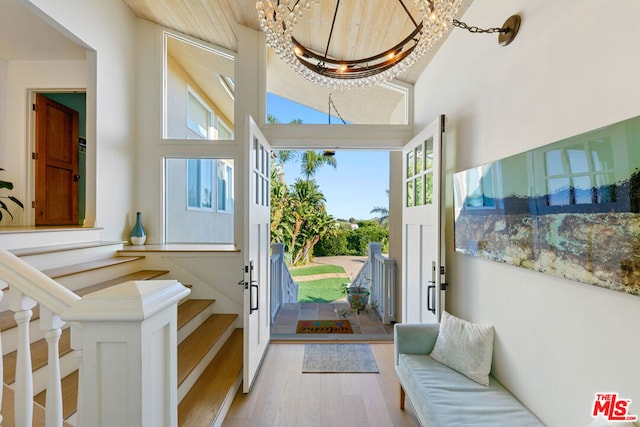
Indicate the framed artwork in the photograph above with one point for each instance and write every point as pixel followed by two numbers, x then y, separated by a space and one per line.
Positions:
pixel 569 209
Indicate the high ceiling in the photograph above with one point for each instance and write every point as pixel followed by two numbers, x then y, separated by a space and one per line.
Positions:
pixel 362 28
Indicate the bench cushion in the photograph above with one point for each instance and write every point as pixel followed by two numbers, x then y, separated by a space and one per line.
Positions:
pixel 444 397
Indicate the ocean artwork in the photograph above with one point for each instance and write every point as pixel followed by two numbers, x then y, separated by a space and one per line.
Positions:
pixel 569 209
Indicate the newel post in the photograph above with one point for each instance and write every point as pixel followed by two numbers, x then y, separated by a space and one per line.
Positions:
pixel 128 340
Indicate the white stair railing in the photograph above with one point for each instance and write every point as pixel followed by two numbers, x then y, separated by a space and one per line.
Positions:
pixel 28 287
pixel 283 288
pixel 128 331
pixel 378 275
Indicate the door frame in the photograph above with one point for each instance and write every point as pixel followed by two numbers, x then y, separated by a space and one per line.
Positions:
pixel 30 169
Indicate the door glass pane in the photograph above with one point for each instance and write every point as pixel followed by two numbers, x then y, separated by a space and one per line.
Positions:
pixel 428 164
pixel 419 191
pixel 428 188
pixel 410 195
pixel 256 150
pixel 409 164
pixel 419 159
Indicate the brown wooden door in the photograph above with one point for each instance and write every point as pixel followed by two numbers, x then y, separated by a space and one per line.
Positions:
pixel 56 163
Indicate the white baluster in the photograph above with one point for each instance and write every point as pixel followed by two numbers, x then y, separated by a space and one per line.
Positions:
pixel 24 376
pixel 51 323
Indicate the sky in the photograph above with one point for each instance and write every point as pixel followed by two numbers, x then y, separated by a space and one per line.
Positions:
pixel 358 183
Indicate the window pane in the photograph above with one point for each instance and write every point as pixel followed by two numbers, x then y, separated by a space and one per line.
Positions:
pixel 190 191
pixel 602 154
pixel 206 183
pixel 577 159
pixel 554 162
pixel 198 117
pixel 193 183
pixel 582 190
pixel 197 76
pixel 558 191
pixel 410 195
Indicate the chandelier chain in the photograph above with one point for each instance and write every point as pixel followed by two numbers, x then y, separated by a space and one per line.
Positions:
pixel 474 29
pixel 331 104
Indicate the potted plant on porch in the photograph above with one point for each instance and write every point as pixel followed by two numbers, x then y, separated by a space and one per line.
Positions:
pixel 3 206
pixel 357 296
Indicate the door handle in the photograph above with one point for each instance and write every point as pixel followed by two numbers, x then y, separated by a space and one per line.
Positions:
pixel 430 289
pixel 252 308
pixel 76 178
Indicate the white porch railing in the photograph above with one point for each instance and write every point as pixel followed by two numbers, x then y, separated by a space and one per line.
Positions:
pixel 378 275
pixel 128 332
pixel 283 288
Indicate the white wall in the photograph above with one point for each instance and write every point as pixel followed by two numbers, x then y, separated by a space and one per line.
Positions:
pixel 23 76
pixel 573 67
pixel 108 30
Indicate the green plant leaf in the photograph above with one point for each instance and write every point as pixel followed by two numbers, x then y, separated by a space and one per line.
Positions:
pixel 6 184
pixel 16 201
pixel 3 205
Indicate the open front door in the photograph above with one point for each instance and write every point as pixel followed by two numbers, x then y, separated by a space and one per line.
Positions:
pixel 257 322
pixel 422 226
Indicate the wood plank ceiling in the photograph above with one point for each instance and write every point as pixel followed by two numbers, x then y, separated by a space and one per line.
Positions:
pixel 363 27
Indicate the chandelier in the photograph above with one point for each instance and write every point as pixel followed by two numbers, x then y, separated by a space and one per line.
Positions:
pixel 278 19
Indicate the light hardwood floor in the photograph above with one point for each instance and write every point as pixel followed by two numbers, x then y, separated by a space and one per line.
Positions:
pixel 283 396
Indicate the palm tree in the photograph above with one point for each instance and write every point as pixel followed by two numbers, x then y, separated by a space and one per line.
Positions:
pixel 383 212
pixel 312 160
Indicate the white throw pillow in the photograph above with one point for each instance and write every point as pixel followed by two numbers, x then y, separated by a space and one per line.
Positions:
pixel 465 347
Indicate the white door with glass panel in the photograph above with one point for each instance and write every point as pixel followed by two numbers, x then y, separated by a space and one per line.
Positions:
pixel 422 227
pixel 257 323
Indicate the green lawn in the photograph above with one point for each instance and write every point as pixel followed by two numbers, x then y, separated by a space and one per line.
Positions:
pixel 316 269
pixel 321 291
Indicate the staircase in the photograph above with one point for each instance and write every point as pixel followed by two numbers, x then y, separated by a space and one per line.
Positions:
pixel 209 344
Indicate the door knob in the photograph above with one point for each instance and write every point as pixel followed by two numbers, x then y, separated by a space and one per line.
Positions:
pixel 76 178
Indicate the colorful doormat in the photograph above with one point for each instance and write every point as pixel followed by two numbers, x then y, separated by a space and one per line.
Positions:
pixel 323 327
pixel 338 358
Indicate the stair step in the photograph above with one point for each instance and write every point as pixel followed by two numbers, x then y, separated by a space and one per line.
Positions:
pixel 202 405
pixel 65 247
pixel 138 275
pixel 39 355
pixel 8 416
pixel 69 395
pixel 190 309
pixel 56 273
pixel 197 345
pixel 8 322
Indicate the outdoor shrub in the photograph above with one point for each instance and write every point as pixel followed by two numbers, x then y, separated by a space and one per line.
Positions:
pixel 367 232
pixel 332 245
